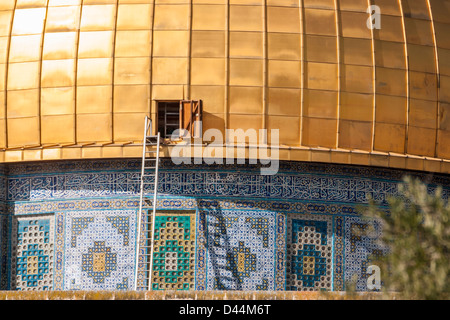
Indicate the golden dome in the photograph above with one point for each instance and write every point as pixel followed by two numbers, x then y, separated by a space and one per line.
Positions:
pixel 77 77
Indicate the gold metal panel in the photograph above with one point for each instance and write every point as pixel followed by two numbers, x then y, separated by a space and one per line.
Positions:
pixel 57 101
pixel 246 100
pixel 5 23
pixel 58 129
pixel 62 19
pixel 246 18
pixel 246 72
pixel 319 132
pixel 96 71
pixel 23 132
pixel 23 103
pixel 444 89
pixel 416 9
pixel 134 16
pixel 444 61
pixel 392 29
pixel 214 121
pixel 90 152
pixel 327 4
pixel 94 99
pixel 354 25
pixel 320 104
pixel 112 152
pixel 246 44
pixel 284 101
pixel 25 48
pixel 3 67
pixel 357 79
pixel 421 141
pixel 288 127
pixel 57 3
pixel 419 31
pixel 208 71
pixel 388 7
pixel 4 47
pixel 28 21
pixel 423 86
pixel 58 73
pixel 442 31
pixel 167 92
pixel 208 44
pixel 31 3
pixel 391 109
pixel 356 51
pixel 322 76
pixel 169 71
pixel 171 17
pixel 132 43
pixel 423 113
pixel 356 106
pixel 444 116
pixel 128 126
pixel 2 105
pixel 132 70
pixel 319 21
pixel 283 46
pixel 391 81
pixel 208 17
pixel 352 5
pixel 355 135
pixel 443 144
pixel 321 48
pixel 245 122
pixel 390 54
pixel 169 43
pixel 422 58
pixel 95 44
pixel 389 137
pixel 60 45
pixel 98 17
pixel 284 73
pixel 94 127
pixel 2 134
pixel 440 10
pixel 135 98
pixel 33 154
pixel 282 19
pixel 7 4
pixel 23 75
pixel 213 98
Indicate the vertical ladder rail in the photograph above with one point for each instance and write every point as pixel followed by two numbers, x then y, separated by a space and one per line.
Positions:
pixel 144 236
pixel 155 192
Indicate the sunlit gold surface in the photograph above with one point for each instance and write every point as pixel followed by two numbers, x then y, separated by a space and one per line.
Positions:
pixel 77 77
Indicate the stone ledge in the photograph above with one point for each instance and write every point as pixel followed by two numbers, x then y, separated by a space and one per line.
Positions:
pixel 190 295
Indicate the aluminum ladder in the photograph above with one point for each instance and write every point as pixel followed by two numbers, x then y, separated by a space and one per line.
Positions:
pixel 146 221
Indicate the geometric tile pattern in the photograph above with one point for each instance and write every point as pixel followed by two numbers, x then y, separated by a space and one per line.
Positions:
pixel 246 231
pixel 309 253
pixel 100 254
pixel 360 245
pixel 32 266
pixel 240 250
pixel 174 252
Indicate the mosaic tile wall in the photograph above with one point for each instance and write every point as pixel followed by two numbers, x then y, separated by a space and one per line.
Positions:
pixel 234 229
